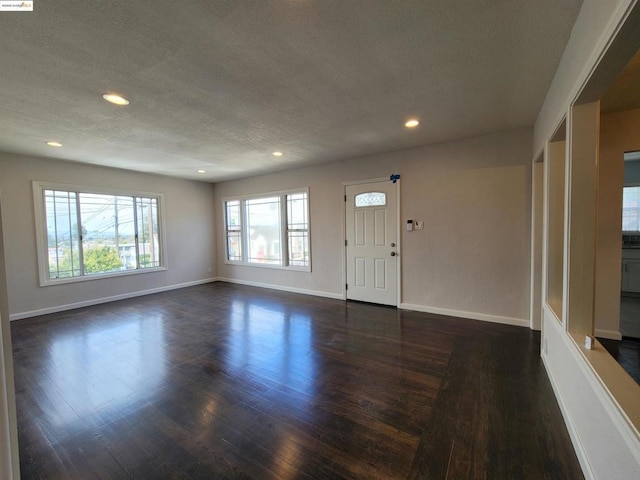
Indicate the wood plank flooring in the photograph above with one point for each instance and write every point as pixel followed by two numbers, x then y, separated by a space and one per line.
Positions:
pixel 226 381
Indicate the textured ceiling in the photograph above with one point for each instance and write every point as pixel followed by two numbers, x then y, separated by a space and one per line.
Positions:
pixel 219 85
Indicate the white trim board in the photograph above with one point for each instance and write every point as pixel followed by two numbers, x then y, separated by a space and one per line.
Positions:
pixel 518 322
pixel 9 464
pixel 336 296
pixel 315 293
pixel 586 403
pixel 98 301
pixel 610 334
pixel 621 421
pixel 583 458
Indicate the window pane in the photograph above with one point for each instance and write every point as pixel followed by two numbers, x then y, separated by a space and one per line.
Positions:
pixel 297 211
pixel 298 249
pixel 263 230
pixel 297 230
pixel 148 242
pixel 631 209
pixel 63 241
pixel 371 199
pixel 108 232
pixel 233 221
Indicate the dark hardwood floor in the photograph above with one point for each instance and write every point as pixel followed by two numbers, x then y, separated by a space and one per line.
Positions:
pixel 226 381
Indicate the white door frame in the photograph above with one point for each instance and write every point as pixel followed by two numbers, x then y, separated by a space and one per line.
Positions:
pixel 398 231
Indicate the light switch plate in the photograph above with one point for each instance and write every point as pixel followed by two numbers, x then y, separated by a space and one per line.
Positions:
pixel 588 342
pixel 419 225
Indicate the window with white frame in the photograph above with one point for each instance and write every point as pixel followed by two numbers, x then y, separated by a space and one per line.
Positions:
pixel 84 233
pixel 269 230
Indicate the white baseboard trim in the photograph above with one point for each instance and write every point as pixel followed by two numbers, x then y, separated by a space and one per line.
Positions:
pixel 583 459
pixel 316 293
pixel 518 322
pixel 610 334
pixel 98 301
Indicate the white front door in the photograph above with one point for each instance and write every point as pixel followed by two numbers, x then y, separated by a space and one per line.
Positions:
pixel 372 243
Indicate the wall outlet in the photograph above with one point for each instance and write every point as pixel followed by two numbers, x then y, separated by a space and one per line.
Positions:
pixel 209 269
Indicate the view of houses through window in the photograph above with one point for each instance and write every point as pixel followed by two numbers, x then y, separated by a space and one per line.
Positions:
pixel 269 230
pixel 263 231
pixel 94 233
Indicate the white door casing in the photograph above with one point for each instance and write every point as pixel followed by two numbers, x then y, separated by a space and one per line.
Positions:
pixel 372 243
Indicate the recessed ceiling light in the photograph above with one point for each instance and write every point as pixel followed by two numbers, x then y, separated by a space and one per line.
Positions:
pixel 412 123
pixel 54 144
pixel 115 99
pixel 277 154
pixel 202 171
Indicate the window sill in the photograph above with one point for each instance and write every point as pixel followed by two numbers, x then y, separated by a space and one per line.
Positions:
pixel 273 267
pixel 86 278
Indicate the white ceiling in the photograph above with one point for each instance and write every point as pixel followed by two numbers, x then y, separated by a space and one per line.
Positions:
pixel 219 85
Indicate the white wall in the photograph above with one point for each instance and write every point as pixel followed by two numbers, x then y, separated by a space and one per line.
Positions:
pixel 9 464
pixel 190 220
pixel 607 446
pixel 473 195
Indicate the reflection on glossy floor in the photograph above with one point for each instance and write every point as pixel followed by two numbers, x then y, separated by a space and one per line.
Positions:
pixel 224 381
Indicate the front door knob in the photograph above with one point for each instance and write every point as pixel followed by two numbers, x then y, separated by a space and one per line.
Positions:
pixel 393 254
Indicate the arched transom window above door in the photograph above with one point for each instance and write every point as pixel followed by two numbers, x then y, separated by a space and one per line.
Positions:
pixel 371 199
